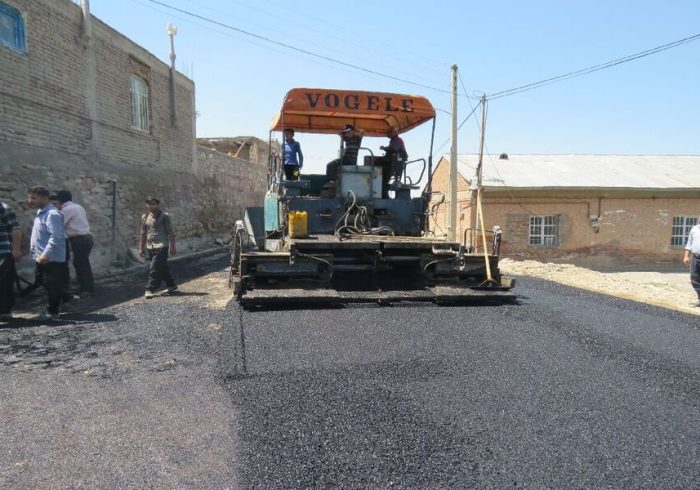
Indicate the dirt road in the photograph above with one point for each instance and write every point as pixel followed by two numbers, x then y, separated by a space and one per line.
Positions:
pixel 665 285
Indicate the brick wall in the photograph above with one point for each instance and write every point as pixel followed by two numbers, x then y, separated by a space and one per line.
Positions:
pixel 47 136
pixel 633 225
pixel 441 175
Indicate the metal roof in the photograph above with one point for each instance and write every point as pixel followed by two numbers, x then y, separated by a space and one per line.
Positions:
pixel 584 171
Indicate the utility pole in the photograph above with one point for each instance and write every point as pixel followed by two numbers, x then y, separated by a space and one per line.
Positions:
pixel 479 168
pixel 452 189
pixel 475 187
pixel 90 81
pixel 172 30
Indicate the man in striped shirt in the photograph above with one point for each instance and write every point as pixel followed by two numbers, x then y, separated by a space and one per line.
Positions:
pixel 10 237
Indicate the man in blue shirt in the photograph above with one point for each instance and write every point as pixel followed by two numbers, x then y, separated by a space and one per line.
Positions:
pixel 48 248
pixel 293 158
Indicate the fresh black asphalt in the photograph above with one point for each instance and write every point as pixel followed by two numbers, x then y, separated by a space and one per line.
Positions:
pixel 565 389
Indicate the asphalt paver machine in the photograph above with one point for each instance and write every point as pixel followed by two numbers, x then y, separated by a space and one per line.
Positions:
pixel 355 234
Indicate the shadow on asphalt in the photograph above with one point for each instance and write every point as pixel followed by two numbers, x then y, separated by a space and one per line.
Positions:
pixel 63 320
pixel 188 293
pixel 122 287
pixel 405 304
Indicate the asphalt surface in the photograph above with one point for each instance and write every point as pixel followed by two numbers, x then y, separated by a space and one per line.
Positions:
pixel 566 389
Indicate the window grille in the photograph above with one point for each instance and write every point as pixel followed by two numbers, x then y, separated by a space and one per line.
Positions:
pixel 544 230
pixel 139 104
pixel 681 229
pixel 12 28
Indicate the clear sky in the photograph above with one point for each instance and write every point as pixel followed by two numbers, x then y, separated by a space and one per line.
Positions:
pixel 648 106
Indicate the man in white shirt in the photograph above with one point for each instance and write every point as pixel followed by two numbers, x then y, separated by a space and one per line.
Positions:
pixel 692 257
pixel 78 234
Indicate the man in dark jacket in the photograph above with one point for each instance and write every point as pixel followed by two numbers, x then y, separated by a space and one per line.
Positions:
pixel 394 160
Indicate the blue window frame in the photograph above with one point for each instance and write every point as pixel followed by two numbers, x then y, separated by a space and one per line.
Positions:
pixel 12 28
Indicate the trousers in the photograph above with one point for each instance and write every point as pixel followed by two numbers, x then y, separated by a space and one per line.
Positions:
pixel 81 246
pixel 291 172
pixel 7 284
pixel 158 270
pixel 53 277
pixel 695 273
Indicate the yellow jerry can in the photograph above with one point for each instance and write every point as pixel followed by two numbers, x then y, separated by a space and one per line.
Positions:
pixel 298 224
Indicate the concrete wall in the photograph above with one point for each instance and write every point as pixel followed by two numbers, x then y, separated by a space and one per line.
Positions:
pixel 65 122
pixel 633 225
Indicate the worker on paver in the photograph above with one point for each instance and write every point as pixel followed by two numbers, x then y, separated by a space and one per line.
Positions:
pixel 293 157
pixel 692 258
pixel 394 160
pixel 156 243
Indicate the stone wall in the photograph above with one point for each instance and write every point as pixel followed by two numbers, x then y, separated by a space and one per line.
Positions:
pixel 203 206
pixel 65 122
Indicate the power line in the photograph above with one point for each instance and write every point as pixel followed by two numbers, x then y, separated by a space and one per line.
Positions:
pixel 298 41
pixel 478 126
pixel 460 125
pixel 301 50
pixel 382 41
pixel 594 68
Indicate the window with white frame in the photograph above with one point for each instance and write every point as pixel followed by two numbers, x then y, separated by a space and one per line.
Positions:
pixel 12 28
pixel 681 229
pixel 139 103
pixel 544 230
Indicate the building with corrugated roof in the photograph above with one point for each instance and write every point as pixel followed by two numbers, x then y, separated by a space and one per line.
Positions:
pixel 636 207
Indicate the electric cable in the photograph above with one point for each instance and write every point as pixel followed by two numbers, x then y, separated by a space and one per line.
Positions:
pixel 306 29
pixel 300 50
pixel 593 68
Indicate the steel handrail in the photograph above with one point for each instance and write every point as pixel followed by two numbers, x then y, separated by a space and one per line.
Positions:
pixel 409 180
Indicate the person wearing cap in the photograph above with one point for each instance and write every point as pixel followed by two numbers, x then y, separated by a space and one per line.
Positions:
pixel 351 142
pixel 293 157
pixel 156 242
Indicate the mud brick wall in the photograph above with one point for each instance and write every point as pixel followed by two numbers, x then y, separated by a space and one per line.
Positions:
pixel 48 136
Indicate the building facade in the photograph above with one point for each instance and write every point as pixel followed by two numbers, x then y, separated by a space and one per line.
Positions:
pixel 86 109
pixel 549 206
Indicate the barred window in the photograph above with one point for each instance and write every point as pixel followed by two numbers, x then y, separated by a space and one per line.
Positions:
pixel 139 104
pixel 544 230
pixel 12 28
pixel 681 229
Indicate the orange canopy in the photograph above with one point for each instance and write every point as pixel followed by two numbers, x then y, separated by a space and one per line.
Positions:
pixel 312 110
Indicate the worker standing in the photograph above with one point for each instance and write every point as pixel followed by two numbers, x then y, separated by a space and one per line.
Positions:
pixel 48 249
pixel 81 242
pixel 156 243
pixel 293 157
pixel 10 237
pixel 692 258
pixel 394 160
